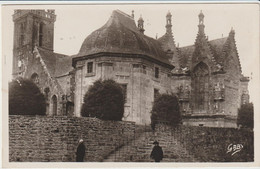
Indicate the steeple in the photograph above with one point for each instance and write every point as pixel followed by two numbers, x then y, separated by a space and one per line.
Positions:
pixel 201 23
pixel 202 50
pixel 168 23
pixel 168 43
pixel 141 24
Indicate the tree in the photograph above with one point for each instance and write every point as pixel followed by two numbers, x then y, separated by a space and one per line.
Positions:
pixel 246 115
pixel 166 109
pixel 25 98
pixel 104 100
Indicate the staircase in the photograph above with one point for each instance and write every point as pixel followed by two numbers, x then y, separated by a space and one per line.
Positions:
pixel 140 148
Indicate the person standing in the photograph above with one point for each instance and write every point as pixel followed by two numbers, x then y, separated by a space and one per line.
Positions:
pixel 80 154
pixel 157 152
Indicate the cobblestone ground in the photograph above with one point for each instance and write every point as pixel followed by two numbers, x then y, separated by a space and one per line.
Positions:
pixel 139 150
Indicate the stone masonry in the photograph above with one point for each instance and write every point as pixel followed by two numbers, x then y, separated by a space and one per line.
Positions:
pixel 55 139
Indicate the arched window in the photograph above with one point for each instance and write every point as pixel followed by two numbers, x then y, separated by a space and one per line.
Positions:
pixel 41 34
pixel 22 31
pixel 200 84
pixel 54 105
pixel 35 78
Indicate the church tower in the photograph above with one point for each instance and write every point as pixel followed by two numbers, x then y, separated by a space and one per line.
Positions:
pixel 31 28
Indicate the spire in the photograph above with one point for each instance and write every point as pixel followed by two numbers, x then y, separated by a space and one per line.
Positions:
pixel 169 23
pixel 133 14
pixel 201 23
pixel 141 24
pixel 202 49
pixel 232 31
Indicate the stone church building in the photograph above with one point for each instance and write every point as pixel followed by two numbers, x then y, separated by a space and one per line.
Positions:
pixel 205 76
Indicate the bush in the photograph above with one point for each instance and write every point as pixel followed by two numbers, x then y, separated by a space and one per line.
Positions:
pixel 25 98
pixel 246 116
pixel 166 109
pixel 104 100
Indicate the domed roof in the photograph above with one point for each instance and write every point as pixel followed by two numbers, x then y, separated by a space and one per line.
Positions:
pixel 120 35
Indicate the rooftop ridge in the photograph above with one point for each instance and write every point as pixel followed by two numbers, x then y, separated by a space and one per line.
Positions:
pixel 208 41
pixel 121 12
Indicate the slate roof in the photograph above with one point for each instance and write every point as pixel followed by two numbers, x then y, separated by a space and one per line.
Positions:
pixel 57 64
pixel 121 35
pixel 165 38
pixel 216 47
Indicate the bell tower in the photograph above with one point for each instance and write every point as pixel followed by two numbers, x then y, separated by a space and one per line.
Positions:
pixel 31 28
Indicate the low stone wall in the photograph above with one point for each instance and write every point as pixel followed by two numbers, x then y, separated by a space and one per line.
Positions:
pixel 55 139
pixel 209 144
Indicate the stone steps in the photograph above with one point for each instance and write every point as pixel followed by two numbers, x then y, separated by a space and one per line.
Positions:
pixel 139 150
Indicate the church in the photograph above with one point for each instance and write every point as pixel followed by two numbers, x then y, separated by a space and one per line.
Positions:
pixel 205 76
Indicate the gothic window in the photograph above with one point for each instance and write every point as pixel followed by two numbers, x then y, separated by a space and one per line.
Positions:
pixel 41 34
pixel 156 72
pixel 200 85
pixel 54 105
pixel 90 67
pixel 35 78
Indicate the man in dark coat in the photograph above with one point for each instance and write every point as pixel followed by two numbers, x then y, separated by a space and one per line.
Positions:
pixel 80 154
pixel 157 153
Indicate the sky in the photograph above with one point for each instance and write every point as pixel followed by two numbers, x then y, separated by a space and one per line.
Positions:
pixel 75 22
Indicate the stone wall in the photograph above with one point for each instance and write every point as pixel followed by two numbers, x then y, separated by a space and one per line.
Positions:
pixel 135 73
pixel 209 144
pixel 55 139
pixel 210 122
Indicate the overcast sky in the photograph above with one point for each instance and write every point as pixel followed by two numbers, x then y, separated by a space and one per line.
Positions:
pixel 75 22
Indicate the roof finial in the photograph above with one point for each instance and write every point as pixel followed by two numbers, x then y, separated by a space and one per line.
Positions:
pixel 232 31
pixel 201 18
pixel 133 15
pixel 169 23
pixel 141 24
pixel 201 23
